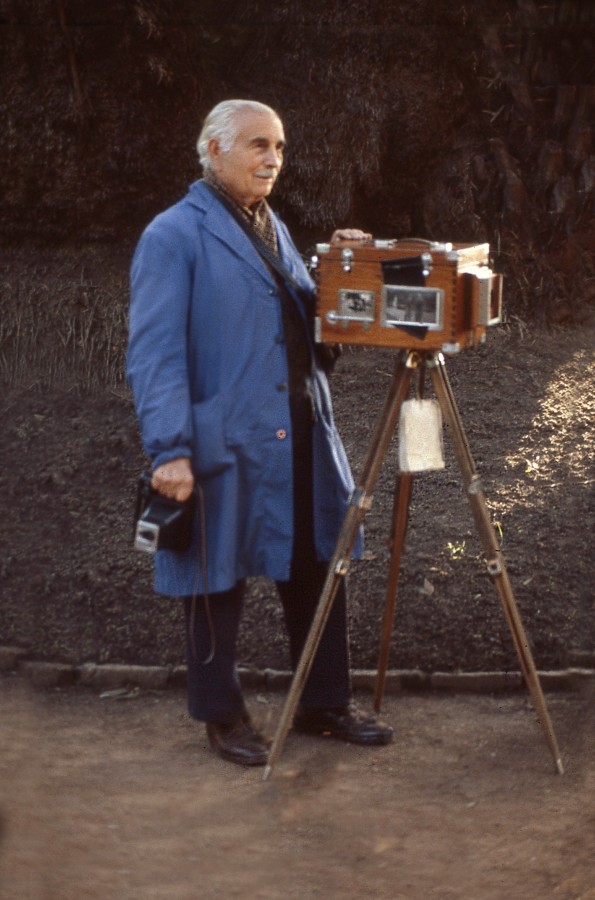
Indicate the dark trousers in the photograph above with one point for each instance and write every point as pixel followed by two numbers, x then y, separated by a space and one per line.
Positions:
pixel 214 692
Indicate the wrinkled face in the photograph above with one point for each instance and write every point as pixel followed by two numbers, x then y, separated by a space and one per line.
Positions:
pixel 249 170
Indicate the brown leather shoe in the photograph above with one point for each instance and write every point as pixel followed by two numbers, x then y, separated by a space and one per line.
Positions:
pixel 238 742
pixel 344 724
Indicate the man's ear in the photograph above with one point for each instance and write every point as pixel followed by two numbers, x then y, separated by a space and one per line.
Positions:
pixel 214 149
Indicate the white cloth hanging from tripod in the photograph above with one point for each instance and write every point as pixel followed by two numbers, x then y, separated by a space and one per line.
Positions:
pixel 421 446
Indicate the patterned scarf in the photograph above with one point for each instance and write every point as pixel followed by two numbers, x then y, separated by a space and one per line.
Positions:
pixel 259 216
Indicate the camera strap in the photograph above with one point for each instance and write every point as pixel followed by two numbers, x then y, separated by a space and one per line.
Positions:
pixel 202 566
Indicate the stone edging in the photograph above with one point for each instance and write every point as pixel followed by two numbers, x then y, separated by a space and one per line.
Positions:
pixel 112 676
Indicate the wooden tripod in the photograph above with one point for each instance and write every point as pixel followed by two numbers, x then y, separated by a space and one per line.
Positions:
pixel 361 501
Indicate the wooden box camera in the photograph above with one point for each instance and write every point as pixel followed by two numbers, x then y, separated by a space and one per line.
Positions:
pixel 412 294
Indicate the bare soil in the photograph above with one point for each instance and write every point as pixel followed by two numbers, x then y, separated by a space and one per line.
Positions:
pixel 118 796
pixel 73 589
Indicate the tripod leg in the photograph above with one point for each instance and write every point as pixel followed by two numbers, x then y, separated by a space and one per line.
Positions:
pixel 400 519
pixel 493 554
pixel 339 564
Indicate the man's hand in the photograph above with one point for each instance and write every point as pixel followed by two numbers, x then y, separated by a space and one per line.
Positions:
pixel 349 234
pixel 174 479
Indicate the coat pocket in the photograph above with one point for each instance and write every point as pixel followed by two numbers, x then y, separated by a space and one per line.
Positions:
pixel 211 453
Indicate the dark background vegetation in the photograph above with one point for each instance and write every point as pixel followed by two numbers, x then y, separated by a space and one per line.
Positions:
pixel 470 121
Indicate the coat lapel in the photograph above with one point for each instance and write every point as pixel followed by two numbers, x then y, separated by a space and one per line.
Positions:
pixel 223 226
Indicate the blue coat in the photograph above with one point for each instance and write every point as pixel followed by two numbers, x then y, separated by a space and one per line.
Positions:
pixel 208 368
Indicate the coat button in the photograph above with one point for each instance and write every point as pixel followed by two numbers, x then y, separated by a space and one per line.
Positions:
pixel 282 386
pixel 281 434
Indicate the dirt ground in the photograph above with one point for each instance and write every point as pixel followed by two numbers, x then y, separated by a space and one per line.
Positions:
pixel 117 796
pixel 74 590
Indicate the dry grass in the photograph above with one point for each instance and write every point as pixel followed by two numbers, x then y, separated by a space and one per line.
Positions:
pixel 63 331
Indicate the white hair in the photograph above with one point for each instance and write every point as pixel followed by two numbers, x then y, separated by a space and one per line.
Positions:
pixel 221 124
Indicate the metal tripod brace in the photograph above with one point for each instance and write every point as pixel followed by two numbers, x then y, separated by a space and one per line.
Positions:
pixel 361 501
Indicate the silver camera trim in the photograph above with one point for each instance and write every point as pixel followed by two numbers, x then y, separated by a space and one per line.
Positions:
pixel 146 536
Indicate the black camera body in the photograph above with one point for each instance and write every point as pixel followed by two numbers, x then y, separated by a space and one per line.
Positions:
pixel 161 523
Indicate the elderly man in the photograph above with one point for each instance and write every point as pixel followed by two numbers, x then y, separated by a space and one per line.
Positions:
pixel 231 397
